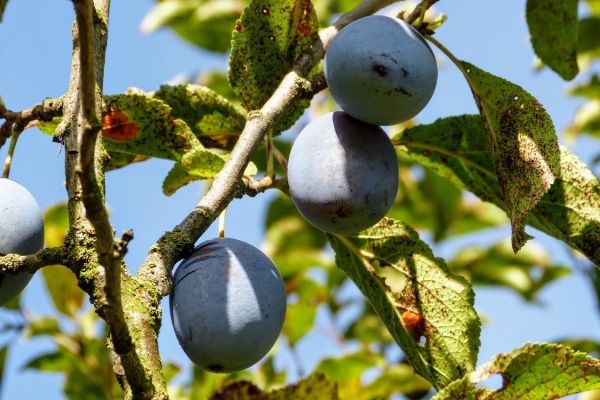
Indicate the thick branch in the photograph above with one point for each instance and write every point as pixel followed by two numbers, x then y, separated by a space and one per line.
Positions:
pixel 157 268
pixel 109 256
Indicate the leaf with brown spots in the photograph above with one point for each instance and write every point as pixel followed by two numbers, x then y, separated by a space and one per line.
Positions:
pixel 534 371
pixel 212 118
pixel 457 149
pixel 553 29
pixel 398 273
pixel 523 144
pixel 140 125
pixel 316 387
pixel 270 36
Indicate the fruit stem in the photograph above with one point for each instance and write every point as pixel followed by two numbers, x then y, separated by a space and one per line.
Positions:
pixel 11 151
pixel 280 157
pixel 451 56
pixel 424 8
pixel 222 223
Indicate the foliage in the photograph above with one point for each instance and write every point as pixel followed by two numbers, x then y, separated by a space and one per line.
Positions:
pixel 508 157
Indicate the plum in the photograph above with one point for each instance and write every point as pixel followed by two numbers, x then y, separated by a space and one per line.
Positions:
pixel 21 232
pixel 380 70
pixel 227 305
pixel 342 173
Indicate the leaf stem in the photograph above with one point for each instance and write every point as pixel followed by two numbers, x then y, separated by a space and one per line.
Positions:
pixel 222 223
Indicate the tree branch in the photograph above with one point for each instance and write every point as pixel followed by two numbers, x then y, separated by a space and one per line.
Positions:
pixel 17 121
pixel 110 254
pixel 14 263
pixel 157 268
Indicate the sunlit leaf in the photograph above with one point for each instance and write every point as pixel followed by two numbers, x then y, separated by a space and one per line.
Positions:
pixel 267 40
pixel 535 371
pixel 434 305
pixel 170 371
pixel 42 326
pixel 119 160
pixel 49 127
pixel 368 328
pixel 522 141
pixel 586 120
pixel 205 23
pixel 56 361
pixel 196 165
pixel 588 346
pixel 212 118
pixel 137 124
pixel 557 47
pixel 456 148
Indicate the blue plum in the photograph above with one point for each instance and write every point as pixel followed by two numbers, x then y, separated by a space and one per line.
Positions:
pixel 227 305
pixel 342 173
pixel 21 232
pixel 380 70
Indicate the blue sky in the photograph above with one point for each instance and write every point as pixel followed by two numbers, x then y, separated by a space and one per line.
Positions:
pixel 35 49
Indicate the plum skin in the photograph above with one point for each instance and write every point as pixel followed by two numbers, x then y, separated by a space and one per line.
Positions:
pixel 380 70
pixel 227 304
pixel 21 232
pixel 342 173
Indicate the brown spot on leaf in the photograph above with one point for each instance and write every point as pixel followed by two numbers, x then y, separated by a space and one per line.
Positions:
pixel 117 126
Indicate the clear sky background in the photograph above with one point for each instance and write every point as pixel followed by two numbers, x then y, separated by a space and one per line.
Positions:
pixel 35 56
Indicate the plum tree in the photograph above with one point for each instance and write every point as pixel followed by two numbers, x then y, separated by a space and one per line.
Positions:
pixel 342 173
pixel 227 305
pixel 380 70
pixel 21 232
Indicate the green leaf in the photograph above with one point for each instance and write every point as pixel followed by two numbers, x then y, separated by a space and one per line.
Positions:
pixel 42 326
pixel 3 4
pixel 523 144
pixel 170 371
pixel 205 23
pixel 526 273
pixel 535 371
pixel 433 305
pixel 589 40
pixel 456 148
pixel 399 378
pixel 350 367
pixel 586 120
pixel 56 361
pixel 119 159
pixel 49 127
pixel 300 315
pixel 368 328
pixel 553 29
pixel 212 118
pixel 60 281
pixel 588 346
pixel 590 89
pixel 196 165
pixel 267 40
pixel 137 124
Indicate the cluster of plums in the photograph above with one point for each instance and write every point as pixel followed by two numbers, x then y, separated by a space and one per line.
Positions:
pixel 343 169
pixel 343 178
pixel 21 232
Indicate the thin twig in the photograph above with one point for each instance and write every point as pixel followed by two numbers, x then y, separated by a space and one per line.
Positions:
pixel 416 13
pixel 9 156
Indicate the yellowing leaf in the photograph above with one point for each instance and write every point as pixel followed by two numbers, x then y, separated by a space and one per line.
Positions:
pixel 553 29
pixel 522 141
pixel 60 281
pixel 431 316
pixel 535 371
